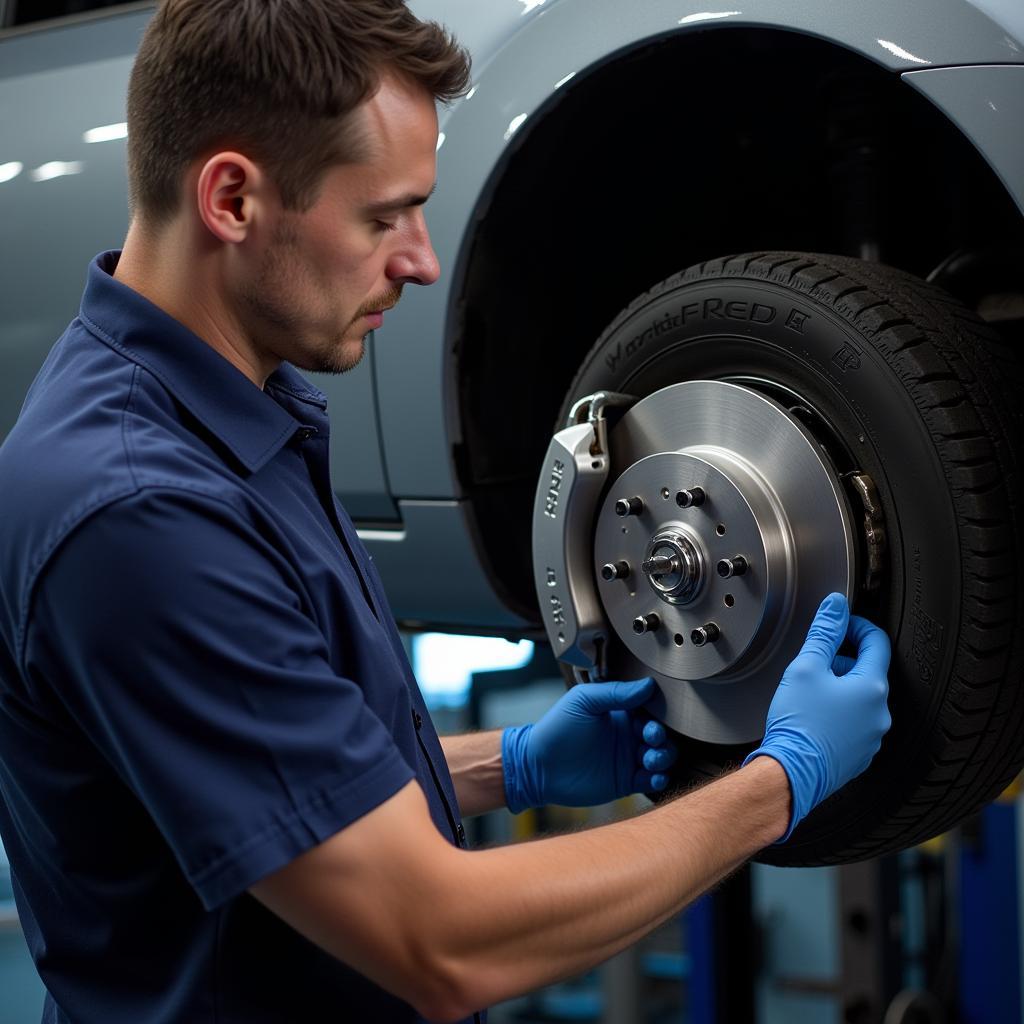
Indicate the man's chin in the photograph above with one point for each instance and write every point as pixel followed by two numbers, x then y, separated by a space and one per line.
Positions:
pixel 344 356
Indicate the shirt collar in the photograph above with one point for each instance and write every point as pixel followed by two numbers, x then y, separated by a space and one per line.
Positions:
pixel 252 425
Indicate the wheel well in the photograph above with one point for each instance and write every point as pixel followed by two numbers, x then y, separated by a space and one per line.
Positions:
pixel 697 146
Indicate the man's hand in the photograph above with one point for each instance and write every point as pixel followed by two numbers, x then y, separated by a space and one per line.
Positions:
pixel 828 716
pixel 588 749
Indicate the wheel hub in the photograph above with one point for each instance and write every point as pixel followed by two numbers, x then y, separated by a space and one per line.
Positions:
pixel 674 566
pixel 672 548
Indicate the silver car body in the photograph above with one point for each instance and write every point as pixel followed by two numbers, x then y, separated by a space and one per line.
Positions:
pixel 397 423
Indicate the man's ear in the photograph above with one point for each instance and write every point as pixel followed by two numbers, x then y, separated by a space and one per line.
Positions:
pixel 229 191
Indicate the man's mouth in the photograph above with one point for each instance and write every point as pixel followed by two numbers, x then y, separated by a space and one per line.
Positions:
pixel 376 317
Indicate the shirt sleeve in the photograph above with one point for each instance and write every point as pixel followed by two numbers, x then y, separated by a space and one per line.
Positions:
pixel 182 641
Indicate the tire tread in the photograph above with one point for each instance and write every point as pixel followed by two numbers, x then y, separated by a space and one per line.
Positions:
pixel 963 380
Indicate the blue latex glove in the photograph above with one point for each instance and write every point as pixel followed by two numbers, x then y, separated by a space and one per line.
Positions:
pixel 587 749
pixel 828 716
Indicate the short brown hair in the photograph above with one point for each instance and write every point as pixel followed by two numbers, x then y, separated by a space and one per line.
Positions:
pixel 276 79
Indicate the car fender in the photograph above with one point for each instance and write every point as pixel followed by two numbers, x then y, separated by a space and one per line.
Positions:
pixel 986 103
pixel 527 51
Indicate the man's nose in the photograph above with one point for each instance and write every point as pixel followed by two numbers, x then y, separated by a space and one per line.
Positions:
pixel 415 262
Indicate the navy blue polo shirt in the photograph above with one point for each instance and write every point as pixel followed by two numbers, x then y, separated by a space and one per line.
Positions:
pixel 199 678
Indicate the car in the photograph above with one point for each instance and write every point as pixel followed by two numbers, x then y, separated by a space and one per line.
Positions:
pixel 730 318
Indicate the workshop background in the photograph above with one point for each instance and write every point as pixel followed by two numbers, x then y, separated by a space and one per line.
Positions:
pixel 929 936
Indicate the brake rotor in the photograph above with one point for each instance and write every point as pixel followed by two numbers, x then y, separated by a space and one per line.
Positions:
pixel 722 528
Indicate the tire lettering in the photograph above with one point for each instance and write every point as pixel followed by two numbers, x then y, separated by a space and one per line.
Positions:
pixel 847 358
pixel 708 309
pixel 796 320
pixel 714 308
pixel 691 309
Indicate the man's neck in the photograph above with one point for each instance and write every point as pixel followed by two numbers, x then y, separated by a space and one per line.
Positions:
pixel 170 273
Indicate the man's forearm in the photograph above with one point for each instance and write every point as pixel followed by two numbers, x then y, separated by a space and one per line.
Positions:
pixel 645 869
pixel 474 761
pixel 451 930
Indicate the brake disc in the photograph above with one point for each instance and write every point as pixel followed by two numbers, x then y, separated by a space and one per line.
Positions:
pixel 692 543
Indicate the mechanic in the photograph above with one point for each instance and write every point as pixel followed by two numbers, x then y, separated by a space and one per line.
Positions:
pixel 220 790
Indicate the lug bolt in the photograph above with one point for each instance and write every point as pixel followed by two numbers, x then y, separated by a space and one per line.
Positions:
pixel 614 571
pixel 692 498
pixel 646 623
pixel 706 634
pixel 629 506
pixel 660 565
pixel 736 566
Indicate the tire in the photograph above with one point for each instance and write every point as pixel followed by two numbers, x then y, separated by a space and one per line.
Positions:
pixel 899 380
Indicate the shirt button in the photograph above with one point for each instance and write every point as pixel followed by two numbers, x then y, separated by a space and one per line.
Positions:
pixel 417 720
pixel 461 832
pixel 305 433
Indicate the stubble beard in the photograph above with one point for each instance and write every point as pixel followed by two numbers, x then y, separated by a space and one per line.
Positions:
pixel 267 303
pixel 339 357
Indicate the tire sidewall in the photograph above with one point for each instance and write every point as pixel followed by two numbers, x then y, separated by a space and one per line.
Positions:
pixel 733 326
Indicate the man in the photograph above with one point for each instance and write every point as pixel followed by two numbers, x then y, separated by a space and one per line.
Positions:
pixel 220 791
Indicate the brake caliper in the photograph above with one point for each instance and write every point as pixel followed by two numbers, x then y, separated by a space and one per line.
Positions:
pixel 576 469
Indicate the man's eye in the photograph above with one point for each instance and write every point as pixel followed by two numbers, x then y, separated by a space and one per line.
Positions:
pixel 384 225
